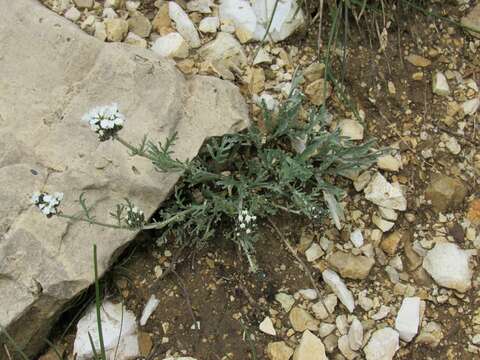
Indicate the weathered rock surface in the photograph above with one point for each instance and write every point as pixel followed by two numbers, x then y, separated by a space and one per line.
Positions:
pixel 310 348
pixel 351 266
pixel 408 318
pixel 48 82
pixel 449 266
pixel 383 345
pixel 445 193
pixel 382 193
pixel 472 20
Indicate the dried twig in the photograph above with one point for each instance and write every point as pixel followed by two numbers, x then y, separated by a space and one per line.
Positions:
pixel 295 255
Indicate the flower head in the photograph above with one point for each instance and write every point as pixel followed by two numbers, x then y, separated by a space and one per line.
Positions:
pixel 105 121
pixel 135 217
pixel 245 224
pixel 47 203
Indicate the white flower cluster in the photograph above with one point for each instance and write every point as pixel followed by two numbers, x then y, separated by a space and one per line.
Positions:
pixel 47 203
pixel 135 217
pixel 246 223
pixel 105 120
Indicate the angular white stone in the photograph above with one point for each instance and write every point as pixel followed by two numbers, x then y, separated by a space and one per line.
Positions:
pixel 337 285
pixel 408 318
pixel 387 214
pixel 310 348
pixel 356 238
pixel 240 13
pixel 351 128
pixel 72 14
pixel 355 335
pixel 308 294
pixel 382 313
pixel 470 107
pixel 113 324
pixel 362 181
pixel 383 345
pixel 287 18
pixel 267 327
pixel 344 347
pixel 148 310
pixel 183 24
pixel 314 252
pixel 201 6
pixel 285 300
pixel 209 24
pixel 382 193
pixel 224 48
pixel 449 266
pixel 389 163
pixel 171 45
pixel 382 224
pixel 440 84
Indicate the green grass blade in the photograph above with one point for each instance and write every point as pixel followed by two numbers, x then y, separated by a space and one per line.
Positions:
pixel 98 305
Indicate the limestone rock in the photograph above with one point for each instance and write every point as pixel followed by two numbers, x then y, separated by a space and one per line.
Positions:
pixel 408 318
pixel 240 13
pixel 344 347
pixel 171 45
pixel 139 24
pixel 337 285
pixel 162 23
pixel 391 243
pixel 351 128
pixel 318 91
pixel 351 266
pixel 310 348
pixel 115 320
pixel 314 71
pixel 449 266
pixel 470 107
pixel 288 17
pixel 418 60
pixel 209 24
pixel 73 14
pixel 431 335
pixel 148 310
pixel 314 252
pixel 383 345
pixel 116 29
pixel 201 6
pixel 472 20
pixel 440 84
pixel 285 300
pixel 279 351
pixel 135 40
pixel 226 49
pixel 445 193
pixel 83 4
pixel 267 327
pixel 49 82
pixel 184 25
pixel 355 335
pixel 301 320
pixel 380 192
pixel 389 163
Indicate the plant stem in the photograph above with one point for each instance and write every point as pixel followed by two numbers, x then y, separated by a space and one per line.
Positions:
pixel 98 304
pixel 92 222
pixel 164 223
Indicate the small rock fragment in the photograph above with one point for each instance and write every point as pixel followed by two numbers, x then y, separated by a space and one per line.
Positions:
pixel 351 129
pixel 449 266
pixel 391 243
pixel 408 318
pixel 440 84
pixel 314 252
pixel 209 24
pixel 382 224
pixel 382 313
pixel 116 29
pixel 383 345
pixel 470 107
pixel 355 335
pixel 389 163
pixel 314 72
pixel 285 300
pixel 301 320
pixel 380 192
pixel 472 20
pixel 318 91
pixel 418 60
pixel 73 14
pixel 84 4
pixel 344 347
pixel 339 288
pixel 183 24
pixel 171 45
pixel 356 238
pixel 431 335
pixel 148 310
pixel 267 327
pixel 135 40
pixel 310 348
pixel 139 24
pixel 279 351
pixel 445 193
pixel 362 181
pixel 351 266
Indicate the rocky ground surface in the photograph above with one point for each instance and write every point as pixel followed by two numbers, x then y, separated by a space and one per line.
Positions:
pixel 399 278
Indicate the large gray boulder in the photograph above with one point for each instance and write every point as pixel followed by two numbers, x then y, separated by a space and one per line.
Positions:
pixel 51 73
